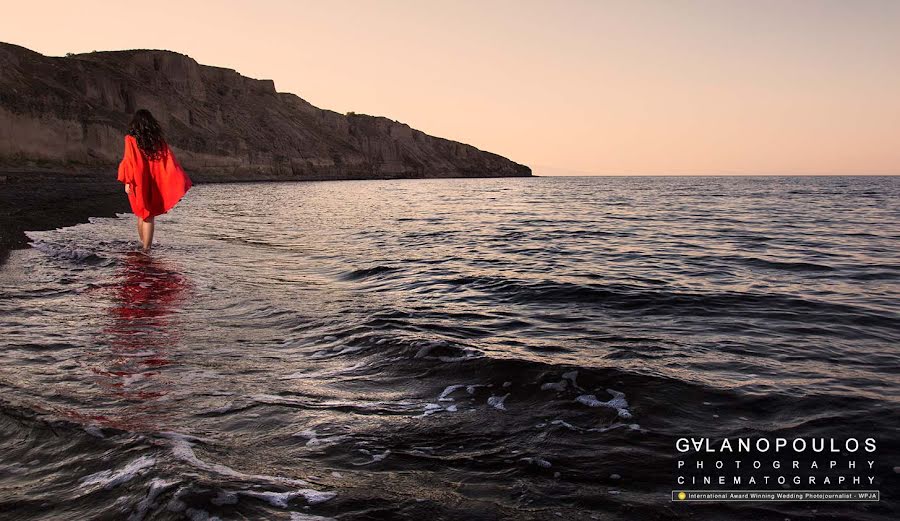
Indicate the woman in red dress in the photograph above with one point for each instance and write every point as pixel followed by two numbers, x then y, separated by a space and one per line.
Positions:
pixel 154 181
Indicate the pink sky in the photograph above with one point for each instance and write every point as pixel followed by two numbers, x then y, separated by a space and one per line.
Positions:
pixel 566 87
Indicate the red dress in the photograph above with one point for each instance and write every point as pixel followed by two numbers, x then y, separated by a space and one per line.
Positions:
pixel 156 184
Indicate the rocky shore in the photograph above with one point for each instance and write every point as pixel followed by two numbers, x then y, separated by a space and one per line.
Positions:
pixel 62 122
pixel 43 200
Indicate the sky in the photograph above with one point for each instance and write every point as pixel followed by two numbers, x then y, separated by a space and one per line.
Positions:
pixel 570 87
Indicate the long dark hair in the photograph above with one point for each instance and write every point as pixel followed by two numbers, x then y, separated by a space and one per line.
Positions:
pixel 147 132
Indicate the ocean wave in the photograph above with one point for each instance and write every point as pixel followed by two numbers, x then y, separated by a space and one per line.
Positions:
pixel 633 298
pixel 517 346
pixel 365 273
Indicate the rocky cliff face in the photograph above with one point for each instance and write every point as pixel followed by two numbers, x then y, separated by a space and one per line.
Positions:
pixel 73 111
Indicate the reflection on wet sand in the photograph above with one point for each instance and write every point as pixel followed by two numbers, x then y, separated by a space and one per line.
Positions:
pixel 140 338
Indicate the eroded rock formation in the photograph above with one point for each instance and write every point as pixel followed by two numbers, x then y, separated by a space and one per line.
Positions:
pixel 72 112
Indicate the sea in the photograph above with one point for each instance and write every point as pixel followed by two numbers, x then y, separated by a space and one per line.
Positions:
pixel 454 349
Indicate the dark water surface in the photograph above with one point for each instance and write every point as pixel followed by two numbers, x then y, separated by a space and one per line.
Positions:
pixel 447 349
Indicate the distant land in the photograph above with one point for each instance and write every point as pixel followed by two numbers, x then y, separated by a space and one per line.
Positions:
pixel 70 113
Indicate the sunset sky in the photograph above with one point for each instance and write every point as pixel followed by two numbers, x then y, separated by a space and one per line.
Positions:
pixel 567 87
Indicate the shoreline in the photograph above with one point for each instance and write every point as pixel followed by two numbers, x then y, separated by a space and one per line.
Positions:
pixel 45 200
pixel 35 199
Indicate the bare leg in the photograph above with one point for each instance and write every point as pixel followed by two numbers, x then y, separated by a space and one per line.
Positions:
pixel 147 239
pixel 140 228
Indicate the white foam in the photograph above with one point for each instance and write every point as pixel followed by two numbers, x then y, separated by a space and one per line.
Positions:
pixel 432 408
pixel 467 356
pixel 157 487
pixel 450 389
pixel 497 401
pixel 555 386
pixel 629 426
pixel 298 516
pixel 347 350
pixel 272 399
pixel 314 440
pixel 314 497
pixel 375 457
pixel 94 430
pixel 281 499
pixel 540 462
pixel 566 425
pixel 617 402
pixel 182 449
pixel 109 478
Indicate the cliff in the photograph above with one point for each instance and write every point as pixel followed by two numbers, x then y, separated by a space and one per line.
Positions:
pixel 71 112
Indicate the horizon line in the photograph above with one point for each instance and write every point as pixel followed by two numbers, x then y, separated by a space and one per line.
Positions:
pixel 715 175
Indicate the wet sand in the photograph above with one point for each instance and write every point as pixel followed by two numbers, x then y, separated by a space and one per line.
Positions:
pixel 44 200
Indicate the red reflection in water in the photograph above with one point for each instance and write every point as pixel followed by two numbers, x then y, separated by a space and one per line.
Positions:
pixel 140 338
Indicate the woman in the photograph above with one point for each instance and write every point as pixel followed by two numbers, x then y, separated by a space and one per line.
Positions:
pixel 154 181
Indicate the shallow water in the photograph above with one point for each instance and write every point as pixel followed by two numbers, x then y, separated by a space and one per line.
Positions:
pixel 457 349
